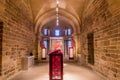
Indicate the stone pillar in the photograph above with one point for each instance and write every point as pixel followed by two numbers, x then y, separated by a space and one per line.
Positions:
pixel 35 50
pixel 65 49
pixel 79 55
pixel 77 45
pixel 39 49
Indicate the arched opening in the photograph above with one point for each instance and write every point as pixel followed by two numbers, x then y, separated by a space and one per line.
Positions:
pixel 66 33
pixel 57 37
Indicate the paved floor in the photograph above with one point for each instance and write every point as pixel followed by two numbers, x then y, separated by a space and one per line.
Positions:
pixel 71 72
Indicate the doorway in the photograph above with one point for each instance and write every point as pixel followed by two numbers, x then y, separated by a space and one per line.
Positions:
pixel 90 37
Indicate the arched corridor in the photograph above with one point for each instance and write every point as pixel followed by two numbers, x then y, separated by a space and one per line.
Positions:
pixel 71 72
pixel 87 32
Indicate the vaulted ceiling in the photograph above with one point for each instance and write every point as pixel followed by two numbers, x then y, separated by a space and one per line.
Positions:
pixel 70 12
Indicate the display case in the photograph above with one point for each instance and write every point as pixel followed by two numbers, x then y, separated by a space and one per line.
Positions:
pixel 56 65
pixel 71 53
pixel 43 53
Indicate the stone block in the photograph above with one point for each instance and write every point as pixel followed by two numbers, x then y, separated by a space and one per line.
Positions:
pixel 27 62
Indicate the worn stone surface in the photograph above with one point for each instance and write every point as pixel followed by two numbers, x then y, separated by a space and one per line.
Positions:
pixel 103 20
pixel 100 17
pixel 17 35
pixel 1 31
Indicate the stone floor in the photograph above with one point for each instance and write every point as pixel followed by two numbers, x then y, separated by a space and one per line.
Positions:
pixel 71 72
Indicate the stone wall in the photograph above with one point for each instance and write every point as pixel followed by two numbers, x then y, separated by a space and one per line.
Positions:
pixel 1 31
pixel 102 18
pixel 17 34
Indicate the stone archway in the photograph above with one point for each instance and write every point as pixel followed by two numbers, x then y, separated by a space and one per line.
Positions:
pixel 48 18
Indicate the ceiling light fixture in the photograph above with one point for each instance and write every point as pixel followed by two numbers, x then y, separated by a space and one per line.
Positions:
pixel 57 12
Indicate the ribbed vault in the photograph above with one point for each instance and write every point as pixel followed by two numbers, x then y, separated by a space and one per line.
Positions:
pixel 68 12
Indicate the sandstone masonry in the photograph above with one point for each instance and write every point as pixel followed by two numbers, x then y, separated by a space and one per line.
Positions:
pixel 17 33
pixel 104 22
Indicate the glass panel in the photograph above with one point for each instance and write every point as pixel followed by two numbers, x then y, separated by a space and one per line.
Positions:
pixel 45 43
pixel 57 32
pixel 69 31
pixel 45 31
pixel 69 43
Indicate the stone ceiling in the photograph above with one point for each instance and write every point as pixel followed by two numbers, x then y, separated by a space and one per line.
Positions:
pixel 70 11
